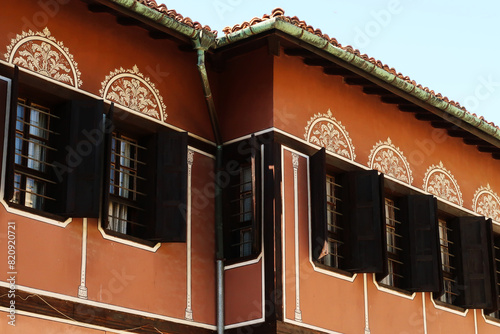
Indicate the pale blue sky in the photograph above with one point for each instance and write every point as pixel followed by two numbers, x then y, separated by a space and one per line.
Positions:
pixel 449 46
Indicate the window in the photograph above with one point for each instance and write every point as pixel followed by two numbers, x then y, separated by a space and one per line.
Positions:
pixel 447 264
pixel 53 168
pixel 394 245
pixel 467 263
pixel 496 253
pixel 334 257
pixel 347 218
pixel 34 136
pixel 124 209
pixel 146 181
pixel 241 199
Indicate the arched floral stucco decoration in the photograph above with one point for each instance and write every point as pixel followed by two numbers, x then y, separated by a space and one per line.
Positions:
pixel 42 53
pixel 487 203
pixel 390 160
pixel 131 89
pixel 440 182
pixel 324 130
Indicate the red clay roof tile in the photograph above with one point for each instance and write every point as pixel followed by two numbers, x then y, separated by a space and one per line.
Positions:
pixel 173 14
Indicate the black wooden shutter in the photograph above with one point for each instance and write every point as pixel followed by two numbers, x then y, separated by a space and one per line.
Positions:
pixel 171 187
pixel 365 225
pixel 80 158
pixel 256 195
pixel 319 228
pixel 474 262
pixel 495 254
pixel 422 255
pixel 105 168
pixel 11 141
pixel 4 111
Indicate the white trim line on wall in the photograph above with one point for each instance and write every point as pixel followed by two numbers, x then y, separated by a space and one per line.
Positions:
pixel 295 161
pixel 316 328
pixel 365 295
pixel 475 321
pixel 66 321
pixel 188 312
pixel 424 313
pixel 44 293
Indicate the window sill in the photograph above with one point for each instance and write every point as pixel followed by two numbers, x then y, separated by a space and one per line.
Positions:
pixel 334 270
pixel 449 307
pixel 35 214
pixel 130 238
pixel 254 258
pixel 394 290
pixel 491 318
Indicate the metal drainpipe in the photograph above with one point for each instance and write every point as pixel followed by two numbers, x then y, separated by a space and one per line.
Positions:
pixel 202 43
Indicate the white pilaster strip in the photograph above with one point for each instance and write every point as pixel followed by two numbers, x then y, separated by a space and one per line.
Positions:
pixel 424 313
pixel 475 321
pixel 295 160
pixel 189 311
pixel 82 289
pixel 365 289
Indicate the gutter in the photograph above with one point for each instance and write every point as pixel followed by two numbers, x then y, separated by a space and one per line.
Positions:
pixel 321 44
pixel 202 43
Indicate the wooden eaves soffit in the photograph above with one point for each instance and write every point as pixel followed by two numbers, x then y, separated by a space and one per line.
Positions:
pixel 316 49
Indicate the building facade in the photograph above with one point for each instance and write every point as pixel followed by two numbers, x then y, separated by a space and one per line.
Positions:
pixel 158 178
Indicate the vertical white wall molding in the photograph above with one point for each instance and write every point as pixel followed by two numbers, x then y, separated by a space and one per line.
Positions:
pixel 298 312
pixel 82 289
pixel 365 289
pixel 189 311
pixel 424 315
pixel 475 321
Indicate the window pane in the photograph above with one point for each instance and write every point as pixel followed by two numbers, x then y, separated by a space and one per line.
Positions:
pixel 34 192
pixel 334 224
pixel 39 123
pixel 36 155
pixel 32 146
pixel 447 264
pixel 246 194
pixel 246 243
pixel 124 211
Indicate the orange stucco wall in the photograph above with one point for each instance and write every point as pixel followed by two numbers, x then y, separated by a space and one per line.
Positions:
pixel 243 94
pixel 328 302
pixel 243 293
